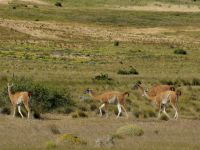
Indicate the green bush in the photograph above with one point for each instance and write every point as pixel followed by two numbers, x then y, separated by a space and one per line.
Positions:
pixel 82 114
pixel 5 110
pixel 116 43
pixel 58 4
pixel 102 77
pixel 130 130
pixel 51 145
pixel 180 52
pixel 195 81
pixel 43 99
pixel 93 107
pixel 129 71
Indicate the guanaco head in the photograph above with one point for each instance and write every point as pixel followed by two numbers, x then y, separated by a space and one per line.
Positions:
pixel 88 91
pixel 138 86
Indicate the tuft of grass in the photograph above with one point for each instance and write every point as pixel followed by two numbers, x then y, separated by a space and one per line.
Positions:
pixel 180 52
pixel 195 81
pixel 54 129
pixel 130 130
pixel 93 107
pixel 51 145
pixel 74 115
pixel 5 110
pixel 116 43
pixel 164 117
pixel 58 4
pixel 82 114
pixel 102 77
pixel 70 138
pixel 129 71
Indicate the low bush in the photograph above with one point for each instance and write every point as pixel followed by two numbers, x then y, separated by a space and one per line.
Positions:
pixel 102 77
pixel 129 71
pixel 93 107
pixel 51 145
pixel 72 139
pixel 180 52
pixel 130 130
pixel 195 81
pixel 54 129
pixel 43 99
pixel 5 110
pixel 164 117
pixel 58 4
pixel 116 43
pixel 82 114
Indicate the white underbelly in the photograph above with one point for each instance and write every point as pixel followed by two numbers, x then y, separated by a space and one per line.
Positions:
pixel 112 100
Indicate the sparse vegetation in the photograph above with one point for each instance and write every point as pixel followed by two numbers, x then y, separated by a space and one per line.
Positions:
pixel 59 51
pixel 130 130
pixel 58 4
pixel 129 71
pixel 102 77
pixel 180 51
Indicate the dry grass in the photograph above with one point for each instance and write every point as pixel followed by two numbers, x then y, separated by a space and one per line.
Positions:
pixel 181 134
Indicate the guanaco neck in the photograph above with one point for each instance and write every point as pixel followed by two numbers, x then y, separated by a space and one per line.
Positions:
pixel 10 94
pixel 93 95
pixel 150 98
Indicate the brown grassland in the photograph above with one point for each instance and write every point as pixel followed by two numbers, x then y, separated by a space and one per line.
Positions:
pixel 95 44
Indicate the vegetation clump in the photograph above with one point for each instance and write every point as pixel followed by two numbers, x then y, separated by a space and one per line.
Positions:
pixel 43 99
pixel 58 4
pixel 130 130
pixel 51 145
pixel 70 138
pixel 102 77
pixel 129 71
pixel 180 52
pixel 116 43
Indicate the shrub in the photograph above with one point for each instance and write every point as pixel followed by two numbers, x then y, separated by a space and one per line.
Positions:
pixel 51 145
pixel 5 110
pixel 116 43
pixel 131 70
pixel 54 129
pixel 58 4
pixel 164 117
pixel 74 115
pixel 82 114
pixel 68 110
pixel 180 52
pixel 70 138
pixel 43 99
pixel 102 77
pixel 93 107
pixel 36 115
pixel 195 81
pixel 168 82
pixel 130 130
pixel 82 108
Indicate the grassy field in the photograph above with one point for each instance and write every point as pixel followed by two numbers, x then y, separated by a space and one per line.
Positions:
pixel 67 47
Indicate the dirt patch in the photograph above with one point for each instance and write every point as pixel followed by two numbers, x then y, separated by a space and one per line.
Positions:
pixel 160 7
pixel 4 1
pixel 83 32
pixel 29 1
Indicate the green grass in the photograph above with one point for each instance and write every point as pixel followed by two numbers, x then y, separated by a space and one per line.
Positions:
pixel 103 16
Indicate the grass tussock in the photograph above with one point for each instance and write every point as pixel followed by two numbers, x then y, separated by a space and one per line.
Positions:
pixel 72 139
pixel 130 130
pixel 50 145
pixel 180 52
pixel 129 71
